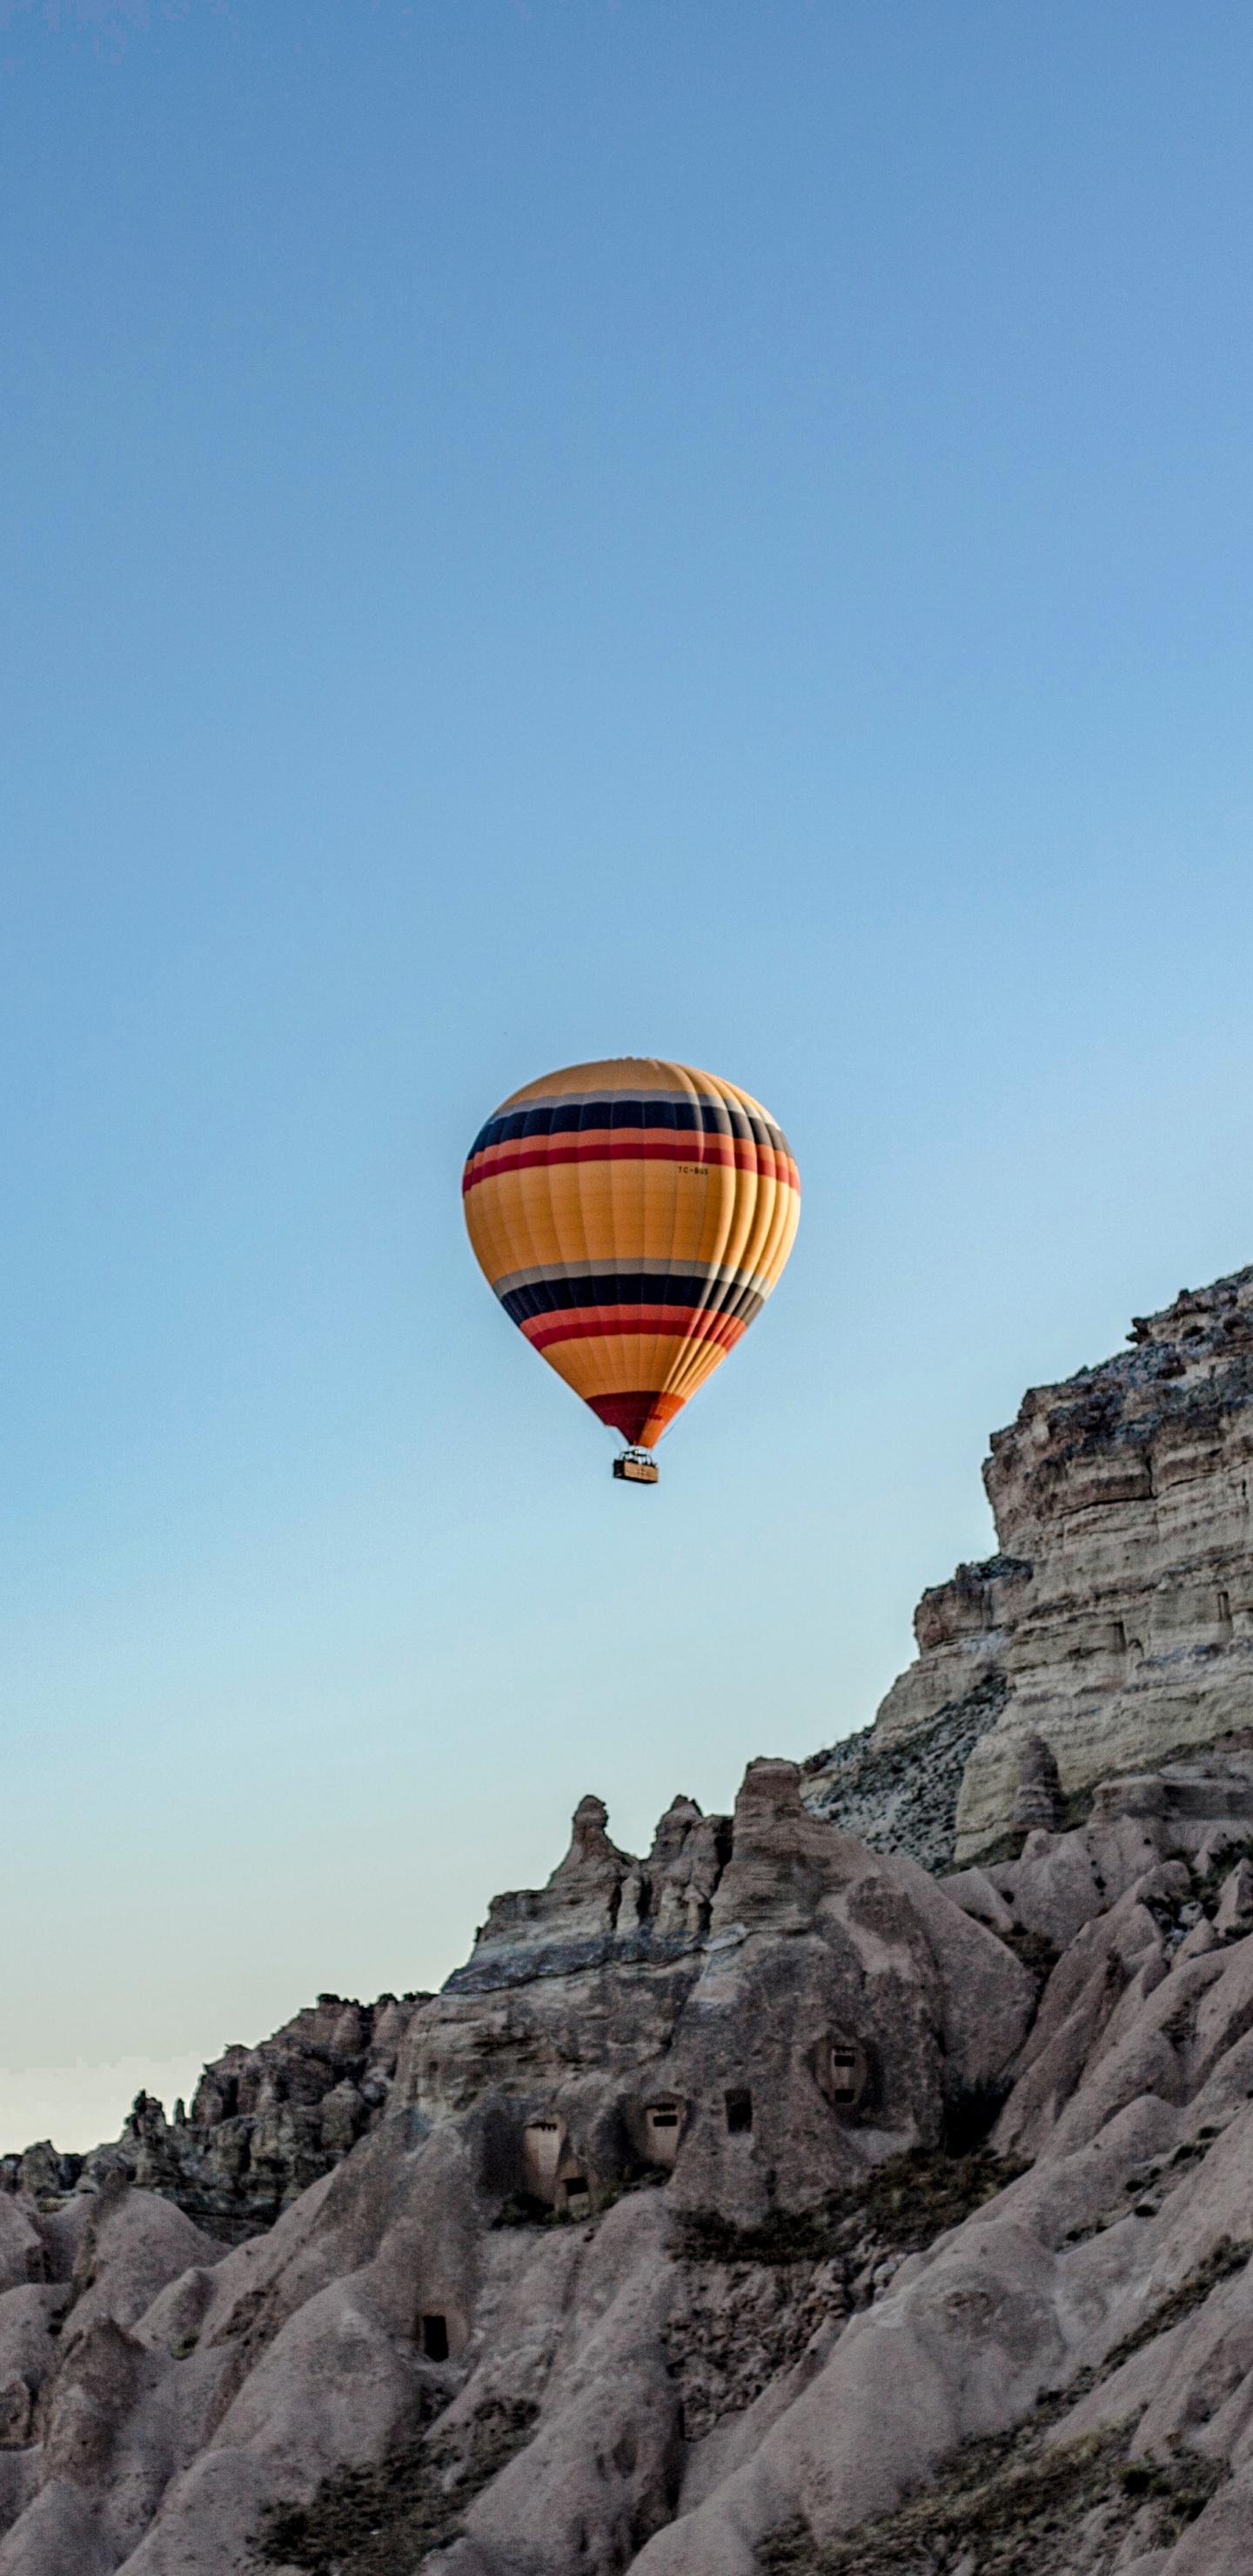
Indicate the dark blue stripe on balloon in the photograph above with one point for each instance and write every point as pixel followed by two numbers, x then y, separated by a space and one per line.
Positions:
pixel 690 1117
pixel 633 1288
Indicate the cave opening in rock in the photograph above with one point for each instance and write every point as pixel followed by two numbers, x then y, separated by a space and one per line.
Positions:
pixel 841 2071
pixel 541 2148
pixel 576 2188
pixel 739 2104
pixel 663 2132
pixel 435 2338
pixel 844 2084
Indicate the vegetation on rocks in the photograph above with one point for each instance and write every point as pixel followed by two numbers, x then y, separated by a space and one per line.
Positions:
pixel 378 2521
pixel 757 2295
pixel 1227 2258
pixel 1034 1949
pixel 1012 2506
pixel 902 2205
pixel 902 1797
pixel 1019 2505
pixel 1208 1884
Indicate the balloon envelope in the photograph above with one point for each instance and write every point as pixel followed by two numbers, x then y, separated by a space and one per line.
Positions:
pixel 632 1217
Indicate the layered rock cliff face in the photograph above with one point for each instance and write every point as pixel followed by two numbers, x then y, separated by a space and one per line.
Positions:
pixel 772 2202
pixel 675 2247
pixel 1116 1622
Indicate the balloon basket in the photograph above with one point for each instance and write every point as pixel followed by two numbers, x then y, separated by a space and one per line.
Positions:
pixel 635 1467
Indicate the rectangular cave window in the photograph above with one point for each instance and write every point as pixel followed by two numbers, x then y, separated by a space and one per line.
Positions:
pixel 739 2111
pixel 664 2122
pixel 844 2074
pixel 576 2187
pixel 541 2151
pixel 435 2338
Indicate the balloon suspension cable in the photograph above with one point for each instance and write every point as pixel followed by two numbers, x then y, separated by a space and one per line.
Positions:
pixel 635 1467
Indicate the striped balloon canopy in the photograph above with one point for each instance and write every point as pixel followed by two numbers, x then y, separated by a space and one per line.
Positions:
pixel 632 1218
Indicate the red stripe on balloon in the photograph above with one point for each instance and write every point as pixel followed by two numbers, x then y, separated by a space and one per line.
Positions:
pixel 637 1412
pixel 686 1323
pixel 730 1151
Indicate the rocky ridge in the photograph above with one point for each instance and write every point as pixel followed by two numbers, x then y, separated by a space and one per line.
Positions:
pixel 725 2200
pixel 1115 1621
pixel 901 1793
pixel 771 2202
pixel 264 2123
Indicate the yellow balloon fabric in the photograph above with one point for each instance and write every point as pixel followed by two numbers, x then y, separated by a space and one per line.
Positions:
pixel 632 1218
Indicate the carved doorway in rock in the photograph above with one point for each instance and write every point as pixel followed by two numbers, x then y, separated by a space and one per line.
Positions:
pixel 542 2142
pixel 663 2127
pixel 841 2071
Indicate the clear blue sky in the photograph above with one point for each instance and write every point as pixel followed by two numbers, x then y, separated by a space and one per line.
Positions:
pixel 532 532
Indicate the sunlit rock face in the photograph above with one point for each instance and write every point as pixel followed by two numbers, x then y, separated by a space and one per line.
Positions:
pixel 1116 1620
pixel 655 2241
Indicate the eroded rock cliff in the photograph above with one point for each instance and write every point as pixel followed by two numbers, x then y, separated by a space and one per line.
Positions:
pixel 675 2244
pixel 771 2202
pixel 1116 1621
pixel 265 2122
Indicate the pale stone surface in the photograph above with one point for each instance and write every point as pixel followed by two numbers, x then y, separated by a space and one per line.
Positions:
pixel 1039 1800
pixel 1235 1904
pixel 688 2408
pixel 508 2186
pixel 721 1971
pixel 1116 1621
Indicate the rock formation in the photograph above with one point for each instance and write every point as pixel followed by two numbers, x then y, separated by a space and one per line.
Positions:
pixel 265 2122
pixel 1116 1622
pixel 675 2243
pixel 1039 1799
pixel 772 2205
pixel 807 2011
pixel 901 1792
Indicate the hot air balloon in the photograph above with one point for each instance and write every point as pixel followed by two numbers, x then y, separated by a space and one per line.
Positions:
pixel 632 1218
